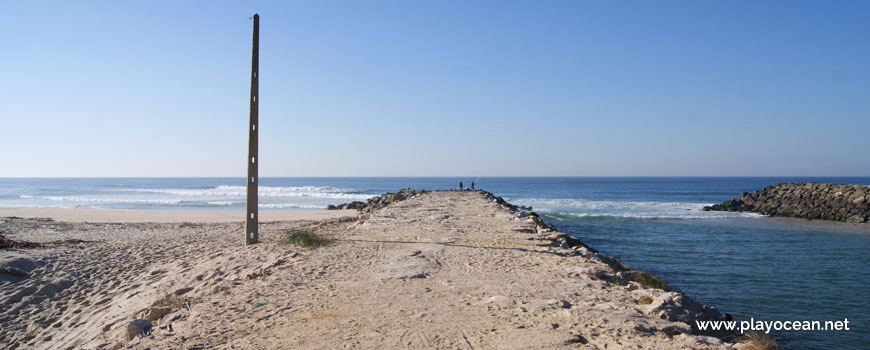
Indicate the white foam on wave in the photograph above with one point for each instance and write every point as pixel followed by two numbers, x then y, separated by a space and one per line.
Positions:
pixel 73 200
pixel 103 200
pixel 263 191
pixel 626 209
pixel 289 206
pixel 224 203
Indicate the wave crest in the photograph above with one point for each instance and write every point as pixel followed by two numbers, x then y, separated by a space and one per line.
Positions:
pixel 289 206
pixel 103 200
pixel 263 191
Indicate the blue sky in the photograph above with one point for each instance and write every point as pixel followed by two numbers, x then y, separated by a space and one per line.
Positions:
pixel 437 88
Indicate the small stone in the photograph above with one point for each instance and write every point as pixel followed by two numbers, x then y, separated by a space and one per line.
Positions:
pixel 165 320
pixel 137 327
pixel 502 301
pixel 134 341
pixel 183 291
pixel 13 271
pixel 562 304
pixel 556 236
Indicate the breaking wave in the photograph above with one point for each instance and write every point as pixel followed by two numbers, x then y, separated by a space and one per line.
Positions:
pixel 219 197
pixel 103 200
pixel 289 206
pixel 224 203
pixel 264 191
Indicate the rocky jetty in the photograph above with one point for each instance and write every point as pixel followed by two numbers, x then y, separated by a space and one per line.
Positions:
pixel 378 202
pixel 848 203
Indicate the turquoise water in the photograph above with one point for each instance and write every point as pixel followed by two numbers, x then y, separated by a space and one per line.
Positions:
pixel 745 264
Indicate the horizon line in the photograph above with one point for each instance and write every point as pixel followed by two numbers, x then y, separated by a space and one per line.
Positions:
pixel 433 177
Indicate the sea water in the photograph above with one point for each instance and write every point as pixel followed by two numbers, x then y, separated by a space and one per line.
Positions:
pixel 745 264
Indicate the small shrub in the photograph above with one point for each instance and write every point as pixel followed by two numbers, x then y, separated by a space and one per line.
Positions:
pixel 645 300
pixel 305 239
pixel 649 280
pixel 758 341
pixel 258 275
pixel 170 299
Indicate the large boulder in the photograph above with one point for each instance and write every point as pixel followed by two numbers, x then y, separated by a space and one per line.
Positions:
pixel 354 205
pixel 676 307
pixel 856 219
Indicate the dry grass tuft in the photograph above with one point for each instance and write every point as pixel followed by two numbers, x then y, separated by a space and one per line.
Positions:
pixel 758 341
pixel 645 300
pixel 170 299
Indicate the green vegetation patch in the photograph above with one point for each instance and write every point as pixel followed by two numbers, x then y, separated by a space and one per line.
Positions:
pixel 258 275
pixel 649 280
pixel 305 239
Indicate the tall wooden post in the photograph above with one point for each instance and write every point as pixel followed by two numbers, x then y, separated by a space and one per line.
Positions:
pixel 251 233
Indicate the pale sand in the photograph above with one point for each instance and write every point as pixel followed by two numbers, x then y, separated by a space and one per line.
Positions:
pixel 132 216
pixel 440 270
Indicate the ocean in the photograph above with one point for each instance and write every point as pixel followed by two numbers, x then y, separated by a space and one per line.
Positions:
pixel 747 265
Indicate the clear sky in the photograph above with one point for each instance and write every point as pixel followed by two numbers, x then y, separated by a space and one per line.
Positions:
pixel 437 88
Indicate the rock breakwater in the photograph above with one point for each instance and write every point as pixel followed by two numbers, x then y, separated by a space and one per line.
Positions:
pixel 847 203
pixel 378 202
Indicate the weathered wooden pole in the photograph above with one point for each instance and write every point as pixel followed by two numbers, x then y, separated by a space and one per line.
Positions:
pixel 251 233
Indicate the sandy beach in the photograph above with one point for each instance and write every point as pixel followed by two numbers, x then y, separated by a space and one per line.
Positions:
pixel 437 270
pixel 164 216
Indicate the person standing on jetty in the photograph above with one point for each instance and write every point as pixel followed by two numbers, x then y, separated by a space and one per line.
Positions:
pixel 472 185
pixel 460 185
